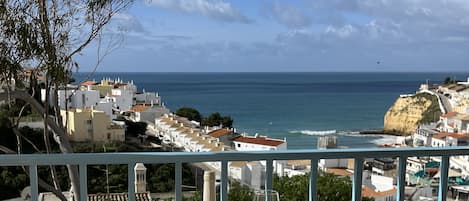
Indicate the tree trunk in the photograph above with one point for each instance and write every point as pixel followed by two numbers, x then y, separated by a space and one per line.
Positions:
pixel 60 135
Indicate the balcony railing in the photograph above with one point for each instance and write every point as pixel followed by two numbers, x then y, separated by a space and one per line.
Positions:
pixel 359 155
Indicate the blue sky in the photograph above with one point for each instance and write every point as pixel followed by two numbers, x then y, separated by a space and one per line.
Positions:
pixel 277 36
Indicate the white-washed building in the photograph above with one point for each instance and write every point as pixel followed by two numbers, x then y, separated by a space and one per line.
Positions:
pixel 262 143
pixel 423 136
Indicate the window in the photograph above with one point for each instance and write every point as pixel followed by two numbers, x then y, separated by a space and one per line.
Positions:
pixel 239 145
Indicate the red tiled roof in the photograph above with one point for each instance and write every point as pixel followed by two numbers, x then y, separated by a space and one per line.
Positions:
pixel 138 108
pixel 261 140
pixel 441 135
pixel 88 83
pixel 368 192
pixel 339 172
pixel 449 114
pixel 451 125
pixel 219 132
pixel 118 197
pixel 453 135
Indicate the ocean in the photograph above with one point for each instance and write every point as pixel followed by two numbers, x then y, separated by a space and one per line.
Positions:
pixel 296 106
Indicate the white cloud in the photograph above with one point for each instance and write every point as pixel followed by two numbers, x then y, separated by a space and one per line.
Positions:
pixel 215 9
pixel 342 32
pixel 127 22
pixel 383 29
pixel 289 16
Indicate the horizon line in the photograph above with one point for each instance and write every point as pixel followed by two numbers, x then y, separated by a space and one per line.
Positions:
pixel 274 72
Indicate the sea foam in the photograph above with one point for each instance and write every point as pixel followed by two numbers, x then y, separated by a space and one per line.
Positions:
pixel 313 132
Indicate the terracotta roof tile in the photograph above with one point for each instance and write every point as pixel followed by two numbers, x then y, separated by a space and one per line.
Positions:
pixel 138 108
pixel 261 140
pixel 453 135
pixel 118 197
pixel 299 162
pixel 219 132
pixel 238 163
pixel 449 114
pixel 368 192
pixel 88 83
pixel 339 172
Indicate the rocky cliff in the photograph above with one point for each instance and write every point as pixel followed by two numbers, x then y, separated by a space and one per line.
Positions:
pixel 407 113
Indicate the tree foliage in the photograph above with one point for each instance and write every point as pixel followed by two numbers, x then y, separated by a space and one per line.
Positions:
pixel 237 192
pixel 215 119
pixel 190 113
pixel 135 128
pixel 450 80
pixel 42 37
pixel 330 188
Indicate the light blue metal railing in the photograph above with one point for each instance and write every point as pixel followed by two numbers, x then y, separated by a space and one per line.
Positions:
pixel 83 160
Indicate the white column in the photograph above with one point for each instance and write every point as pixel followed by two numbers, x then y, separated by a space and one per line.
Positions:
pixel 209 186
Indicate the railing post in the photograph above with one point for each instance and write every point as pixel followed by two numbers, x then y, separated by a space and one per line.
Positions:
pixel 131 179
pixel 83 182
pixel 178 181
pixel 33 181
pixel 357 180
pixel 224 181
pixel 401 178
pixel 443 187
pixel 313 181
pixel 268 179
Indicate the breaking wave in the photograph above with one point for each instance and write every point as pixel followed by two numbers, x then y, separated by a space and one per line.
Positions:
pixel 312 132
pixel 332 132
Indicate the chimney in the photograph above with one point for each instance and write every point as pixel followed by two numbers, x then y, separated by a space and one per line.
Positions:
pixel 140 178
pixel 209 186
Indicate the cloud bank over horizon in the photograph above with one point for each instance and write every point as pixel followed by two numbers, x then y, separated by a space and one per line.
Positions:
pixel 301 35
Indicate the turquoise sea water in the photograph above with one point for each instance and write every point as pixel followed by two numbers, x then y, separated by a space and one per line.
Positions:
pixel 293 105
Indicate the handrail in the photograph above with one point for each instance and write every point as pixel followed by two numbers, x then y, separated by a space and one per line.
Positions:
pixel 190 157
pixel 130 158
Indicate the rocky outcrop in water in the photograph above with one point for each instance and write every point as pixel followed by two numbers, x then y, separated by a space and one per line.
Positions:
pixel 407 113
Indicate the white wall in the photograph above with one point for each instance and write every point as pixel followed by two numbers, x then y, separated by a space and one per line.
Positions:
pixel 106 107
pixel 333 163
pixel 242 146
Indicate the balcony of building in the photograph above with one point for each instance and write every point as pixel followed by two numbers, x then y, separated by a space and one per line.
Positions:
pixel 84 160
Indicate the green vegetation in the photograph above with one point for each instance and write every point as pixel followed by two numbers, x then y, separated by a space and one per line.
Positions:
pixel 214 119
pixel 237 192
pixel 190 113
pixel 160 177
pixel 449 80
pixel 39 38
pixel 330 188
pixel 433 113
pixel 135 128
